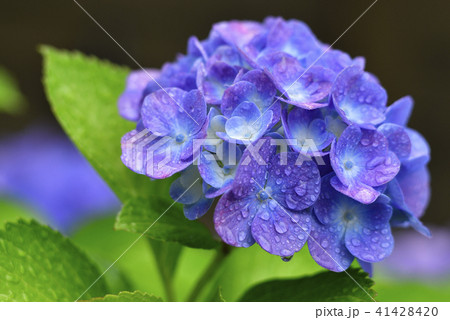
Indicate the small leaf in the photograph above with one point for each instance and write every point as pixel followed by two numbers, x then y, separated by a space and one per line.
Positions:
pixel 324 287
pixel 39 264
pixel 126 296
pixel 83 92
pixel 138 215
pixel 11 99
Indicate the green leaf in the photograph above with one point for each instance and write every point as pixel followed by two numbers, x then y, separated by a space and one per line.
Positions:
pixel 11 99
pixel 138 215
pixel 135 270
pixel 83 92
pixel 125 296
pixel 324 287
pixel 39 264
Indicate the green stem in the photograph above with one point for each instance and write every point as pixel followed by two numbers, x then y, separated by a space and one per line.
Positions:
pixel 222 252
pixel 166 256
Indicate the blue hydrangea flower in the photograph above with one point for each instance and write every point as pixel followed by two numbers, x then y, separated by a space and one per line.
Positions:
pixel 189 190
pixel 267 202
pixel 358 98
pixel 71 195
pixel 218 170
pixel 131 99
pixel 176 118
pixel 309 129
pixel 250 106
pixel 362 161
pixel 343 228
pixel 306 88
pixel 245 87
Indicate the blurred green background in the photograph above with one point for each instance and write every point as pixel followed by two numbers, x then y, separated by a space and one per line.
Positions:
pixel 405 43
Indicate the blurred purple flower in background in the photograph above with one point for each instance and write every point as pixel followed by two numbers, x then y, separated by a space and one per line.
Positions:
pixel 42 168
pixel 419 257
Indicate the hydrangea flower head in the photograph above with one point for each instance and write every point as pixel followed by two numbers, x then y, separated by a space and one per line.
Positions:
pixel 287 140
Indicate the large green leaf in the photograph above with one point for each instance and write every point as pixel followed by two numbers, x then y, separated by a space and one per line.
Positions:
pixel 139 214
pixel 83 92
pixel 11 99
pixel 324 287
pixel 125 296
pixel 39 264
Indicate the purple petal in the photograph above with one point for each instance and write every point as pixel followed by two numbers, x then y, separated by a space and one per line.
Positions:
pixel 308 128
pixel 213 81
pixel 198 209
pixel 335 60
pixel 294 181
pixel 233 218
pixel 247 124
pixel 228 55
pixel 173 111
pixel 235 95
pixel 358 99
pixel 187 189
pixel 302 87
pixel 369 238
pixel 362 157
pixel 251 173
pixel 238 33
pixel 367 267
pixel 400 111
pixel 358 191
pixel 415 186
pixel 279 231
pixel 328 248
pixel 398 139
pixel 131 99
pixel 254 86
pixel 420 150
pixel 156 157
pixel 292 37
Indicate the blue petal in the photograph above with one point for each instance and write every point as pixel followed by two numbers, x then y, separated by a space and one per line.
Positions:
pixel 398 139
pixel 292 37
pixel 415 186
pixel 361 158
pixel 358 99
pixel 279 231
pixel 238 33
pixel 420 150
pixel 369 238
pixel 197 209
pixel 247 124
pixel 187 189
pixel 131 99
pixel 302 87
pixel 367 267
pixel 251 173
pixel 233 218
pixel 400 111
pixel 173 111
pixel 294 181
pixel 328 248
pixel 308 128
pixel 156 157
pixel 213 81
pixel 335 60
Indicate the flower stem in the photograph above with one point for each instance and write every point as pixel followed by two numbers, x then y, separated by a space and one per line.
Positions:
pixel 221 253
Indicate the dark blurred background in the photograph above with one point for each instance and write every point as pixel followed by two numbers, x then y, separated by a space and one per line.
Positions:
pixel 406 44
